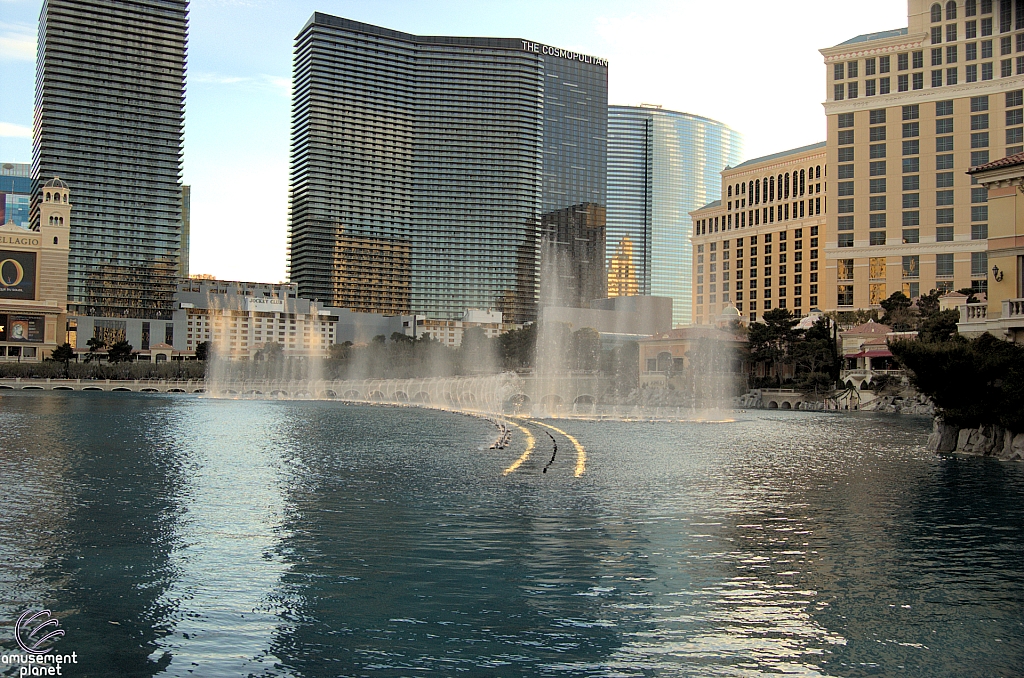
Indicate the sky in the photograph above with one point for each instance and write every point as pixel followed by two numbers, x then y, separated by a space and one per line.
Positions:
pixel 750 64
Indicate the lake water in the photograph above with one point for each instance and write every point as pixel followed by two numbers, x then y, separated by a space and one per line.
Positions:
pixel 180 536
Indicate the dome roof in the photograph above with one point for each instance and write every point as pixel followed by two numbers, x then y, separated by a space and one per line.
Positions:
pixel 730 312
pixel 55 182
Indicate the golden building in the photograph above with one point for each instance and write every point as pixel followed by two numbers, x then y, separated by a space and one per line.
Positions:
pixel 1003 313
pixel 34 279
pixel 622 280
pixel 909 112
pixel 760 247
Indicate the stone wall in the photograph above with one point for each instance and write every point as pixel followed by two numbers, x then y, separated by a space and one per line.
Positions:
pixel 988 440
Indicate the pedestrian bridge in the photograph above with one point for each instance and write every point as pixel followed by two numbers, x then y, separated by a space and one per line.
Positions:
pixel 781 399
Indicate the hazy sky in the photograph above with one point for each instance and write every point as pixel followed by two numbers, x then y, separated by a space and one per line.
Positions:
pixel 753 65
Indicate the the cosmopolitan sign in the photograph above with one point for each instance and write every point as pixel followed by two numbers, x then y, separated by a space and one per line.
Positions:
pixel 538 48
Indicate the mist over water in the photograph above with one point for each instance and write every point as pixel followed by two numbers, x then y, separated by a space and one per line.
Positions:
pixel 182 536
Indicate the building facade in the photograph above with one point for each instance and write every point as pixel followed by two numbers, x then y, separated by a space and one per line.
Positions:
pixel 110 97
pixel 15 194
pixel 425 171
pixel 909 112
pixel 761 246
pixel 662 165
pixel 34 279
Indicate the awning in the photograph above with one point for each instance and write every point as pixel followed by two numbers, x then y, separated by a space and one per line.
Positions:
pixel 880 353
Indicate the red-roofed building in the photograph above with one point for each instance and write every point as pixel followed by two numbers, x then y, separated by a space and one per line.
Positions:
pixel 866 354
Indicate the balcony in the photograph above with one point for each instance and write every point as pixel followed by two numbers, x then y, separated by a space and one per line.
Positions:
pixel 973 313
pixel 1013 308
pixel 975 320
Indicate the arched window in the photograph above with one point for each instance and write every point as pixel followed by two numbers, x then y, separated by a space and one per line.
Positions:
pixel 936 13
pixel 62 221
pixel 750 191
pixel 730 191
pixel 757 192
pixel 802 182
pixel 771 189
pixel 787 185
pixel 817 172
pixel 950 10
pixel 778 182
pixel 54 240
pixel 47 196
pixel 65 198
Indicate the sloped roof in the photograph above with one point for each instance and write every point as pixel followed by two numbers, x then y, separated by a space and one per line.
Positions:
pixel 869 328
pixel 1008 161
pixel 868 37
pixel 781 154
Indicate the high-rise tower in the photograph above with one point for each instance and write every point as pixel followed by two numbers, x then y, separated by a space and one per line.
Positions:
pixel 110 99
pixel 661 166
pixel 426 170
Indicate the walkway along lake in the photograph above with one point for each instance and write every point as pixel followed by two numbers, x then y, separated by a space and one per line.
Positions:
pixel 184 536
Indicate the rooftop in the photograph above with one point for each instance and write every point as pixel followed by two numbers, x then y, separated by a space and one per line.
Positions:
pixel 781 154
pixel 868 37
pixel 716 203
pixel 1008 161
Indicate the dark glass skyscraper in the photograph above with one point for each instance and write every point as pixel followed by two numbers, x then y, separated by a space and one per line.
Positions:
pixel 426 170
pixel 110 100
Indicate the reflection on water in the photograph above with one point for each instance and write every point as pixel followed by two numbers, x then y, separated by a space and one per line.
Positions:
pixel 181 536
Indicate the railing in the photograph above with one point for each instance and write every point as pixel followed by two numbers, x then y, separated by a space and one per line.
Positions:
pixel 973 313
pixel 1013 308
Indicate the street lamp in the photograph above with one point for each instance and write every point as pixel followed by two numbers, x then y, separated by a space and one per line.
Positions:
pixel 997 275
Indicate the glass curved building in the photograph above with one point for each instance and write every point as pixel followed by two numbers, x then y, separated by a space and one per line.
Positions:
pixel 662 165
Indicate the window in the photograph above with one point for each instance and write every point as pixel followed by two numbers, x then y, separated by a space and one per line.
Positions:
pixel 845 239
pixel 876 134
pixel 943 198
pixel 876 220
pixel 986 27
pixel 1005 16
pixel 869 66
pixel 944 215
pixel 979 140
pixel 979 158
pixel 951 33
pixel 943 265
pixel 876 238
pixel 911 165
pixel 943 144
pixel 986 71
pixel 979 213
pixel 902 83
pixel 979 231
pixel 937 57
pixel 1005 68
pixel 845 206
pixel 845 137
pixel 869 88
pixel 1005 45
pixel 979 194
pixel 883 64
pixel 902 62
pixel 911 129
pixel 876 186
pixel 877 151
pixel 912 147
pixel 919 80
pixel 971 72
pixel 845 120
pixel 845 154
pixel 911 236
pixel 911 218
pixel 911 266
pixel 950 10
pixel 911 183
pixel 943 108
pixel 911 201
pixel 877 168
pixel 1020 64
pixel 979 264
pixel 851 69
pixel 839 92
pixel 845 188
pixel 1015 98
pixel 877 117
pixel 951 78
pixel 918 59
pixel 944 180
pixel 845 172
pixel 844 224
pixel 844 269
pixel 852 90
pixel 943 234
pixel 943 162
pixel 937 78
pixel 971 8
pixel 936 13
pixel 876 203
pixel 1015 117
pixel 844 295
pixel 883 86
pixel 839 71
pixel 979 121
pixel 1014 136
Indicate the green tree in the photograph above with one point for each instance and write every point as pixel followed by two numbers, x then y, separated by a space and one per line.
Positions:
pixel 517 348
pixel 203 350
pixel 64 354
pixel 815 356
pixel 971 298
pixel 928 304
pixel 898 315
pixel 939 327
pixel 95 345
pixel 120 352
pixel 771 341
pixel 271 352
pixel 586 345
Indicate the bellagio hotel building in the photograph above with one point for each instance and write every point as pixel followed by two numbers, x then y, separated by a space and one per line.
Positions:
pixel 762 245
pixel 909 111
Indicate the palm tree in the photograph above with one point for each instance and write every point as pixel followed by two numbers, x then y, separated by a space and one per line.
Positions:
pixel 95 344
pixel 64 354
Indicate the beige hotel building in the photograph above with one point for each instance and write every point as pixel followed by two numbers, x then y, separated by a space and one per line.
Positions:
pixel 909 112
pixel 762 245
